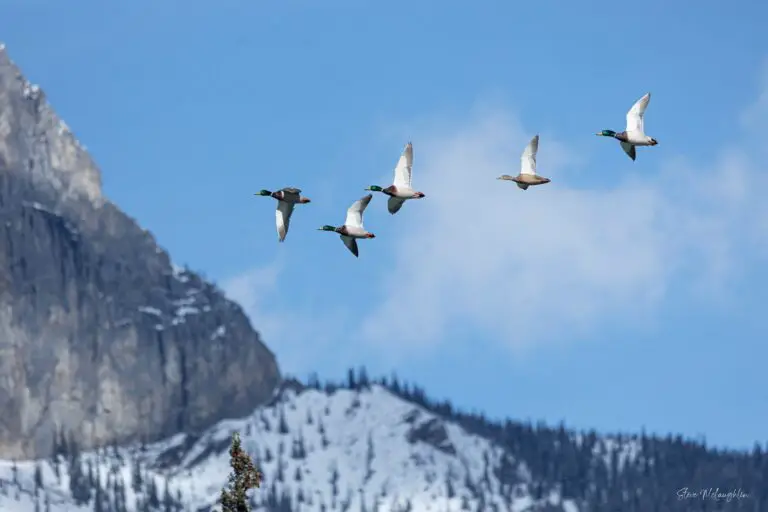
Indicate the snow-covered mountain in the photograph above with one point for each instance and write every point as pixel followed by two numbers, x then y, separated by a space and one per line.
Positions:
pixel 365 447
pixel 351 450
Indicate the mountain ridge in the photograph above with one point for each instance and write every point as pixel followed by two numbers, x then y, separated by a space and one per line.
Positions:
pixel 100 333
pixel 372 445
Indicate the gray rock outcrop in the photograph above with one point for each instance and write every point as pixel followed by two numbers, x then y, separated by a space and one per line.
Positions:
pixel 100 334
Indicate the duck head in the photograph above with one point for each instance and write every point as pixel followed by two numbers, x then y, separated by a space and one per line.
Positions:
pixel 263 192
pixel 327 228
pixel 375 188
pixel 606 133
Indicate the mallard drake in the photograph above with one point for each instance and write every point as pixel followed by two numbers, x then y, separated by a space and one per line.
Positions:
pixel 400 191
pixel 527 176
pixel 634 135
pixel 287 198
pixel 353 225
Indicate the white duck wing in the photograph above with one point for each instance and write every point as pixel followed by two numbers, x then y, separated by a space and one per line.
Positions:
pixel 528 160
pixel 629 149
pixel 404 168
pixel 636 115
pixel 394 204
pixel 355 212
pixel 351 244
pixel 283 218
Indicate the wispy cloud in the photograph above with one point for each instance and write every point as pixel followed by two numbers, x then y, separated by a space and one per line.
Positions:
pixel 298 334
pixel 754 117
pixel 556 262
pixel 560 260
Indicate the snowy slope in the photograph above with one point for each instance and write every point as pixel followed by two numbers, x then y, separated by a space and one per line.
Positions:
pixel 349 450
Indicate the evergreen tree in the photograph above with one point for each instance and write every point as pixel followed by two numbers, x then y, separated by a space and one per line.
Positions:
pixel 79 486
pixel 351 382
pixel 137 479
pixel 244 476
pixel 369 456
pixel 168 505
pixel 56 468
pixel 283 426
pixel 395 385
pixel 321 430
pixel 153 501
pixel 38 478
pixel 449 489
pixel 91 476
pixel 63 444
pixel 363 381
pixel 98 500
pixel 334 482
pixel 55 446
pixel 280 472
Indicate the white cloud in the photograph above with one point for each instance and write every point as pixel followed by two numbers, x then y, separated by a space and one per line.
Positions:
pixel 252 289
pixel 298 335
pixel 556 262
pixel 755 116
pixel 559 260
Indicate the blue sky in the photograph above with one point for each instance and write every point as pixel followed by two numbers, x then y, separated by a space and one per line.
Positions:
pixel 621 295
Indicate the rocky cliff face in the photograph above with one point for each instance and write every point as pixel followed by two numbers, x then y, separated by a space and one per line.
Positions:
pixel 99 333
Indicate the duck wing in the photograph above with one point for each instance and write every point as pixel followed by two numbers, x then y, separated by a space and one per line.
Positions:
pixel 528 159
pixel 404 167
pixel 355 212
pixel 283 218
pixel 636 115
pixel 394 204
pixel 351 244
pixel 629 149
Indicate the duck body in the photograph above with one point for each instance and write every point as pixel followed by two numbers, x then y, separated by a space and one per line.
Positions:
pixel 289 195
pixel 634 134
pixel 287 199
pixel 353 230
pixel 398 192
pixel 401 190
pixel 525 181
pixel 528 176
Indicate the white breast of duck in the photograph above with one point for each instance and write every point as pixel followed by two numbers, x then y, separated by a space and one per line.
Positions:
pixel 355 232
pixel 402 192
